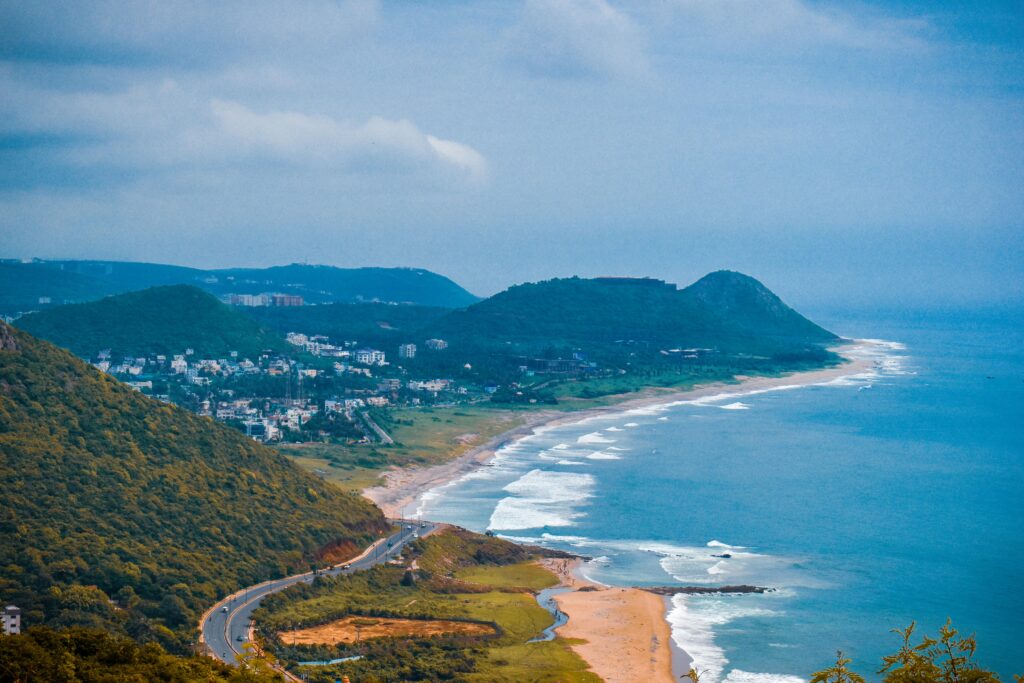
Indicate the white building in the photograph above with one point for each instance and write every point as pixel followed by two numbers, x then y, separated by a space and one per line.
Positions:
pixel 437 344
pixel 11 620
pixel 434 385
pixel 370 357
pixel 407 351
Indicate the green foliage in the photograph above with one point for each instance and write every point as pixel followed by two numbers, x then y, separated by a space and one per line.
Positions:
pixel 324 284
pixel 946 659
pixel 372 324
pixel 109 493
pixel 725 311
pixel 161 320
pixel 838 673
pixel 438 592
pixel 21 284
pixel 80 655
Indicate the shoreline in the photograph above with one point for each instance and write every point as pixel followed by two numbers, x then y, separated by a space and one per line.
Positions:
pixel 619 632
pixel 602 610
pixel 405 486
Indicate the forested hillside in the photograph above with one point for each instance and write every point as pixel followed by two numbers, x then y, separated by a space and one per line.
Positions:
pixel 327 284
pixel 726 311
pixel 38 285
pixel 380 325
pixel 126 513
pixel 164 320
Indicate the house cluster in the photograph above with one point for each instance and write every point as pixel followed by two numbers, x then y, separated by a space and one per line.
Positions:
pixel 265 299
pixel 274 396
pixel 319 345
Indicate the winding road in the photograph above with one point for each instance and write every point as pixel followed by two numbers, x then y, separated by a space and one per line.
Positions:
pixel 225 627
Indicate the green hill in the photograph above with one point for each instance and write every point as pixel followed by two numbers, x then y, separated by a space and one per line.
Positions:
pixel 327 284
pixel 127 513
pixel 382 325
pixel 27 286
pixel 163 320
pixel 725 311
pixel 23 284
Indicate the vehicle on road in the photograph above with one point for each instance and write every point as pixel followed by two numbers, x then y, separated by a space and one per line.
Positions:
pixel 224 609
pixel 240 639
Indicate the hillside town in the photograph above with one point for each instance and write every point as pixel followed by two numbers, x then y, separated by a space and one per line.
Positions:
pixel 319 389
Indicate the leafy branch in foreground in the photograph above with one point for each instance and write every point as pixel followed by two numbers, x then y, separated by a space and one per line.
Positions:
pixel 946 659
pixel 838 673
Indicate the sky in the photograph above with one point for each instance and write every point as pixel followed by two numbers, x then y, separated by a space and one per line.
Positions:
pixel 851 153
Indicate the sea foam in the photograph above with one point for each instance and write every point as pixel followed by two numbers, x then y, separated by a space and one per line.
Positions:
pixel 694 620
pixel 542 499
pixel 601 455
pixel 594 437
pixel 738 676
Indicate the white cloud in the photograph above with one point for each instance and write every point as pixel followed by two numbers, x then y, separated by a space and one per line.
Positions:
pixel 308 138
pixel 577 38
pixel 164 124
pixel 793 23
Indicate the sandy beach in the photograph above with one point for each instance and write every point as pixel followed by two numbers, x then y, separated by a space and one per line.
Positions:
pixel 404 486
pixel 624 630
pixel 620 632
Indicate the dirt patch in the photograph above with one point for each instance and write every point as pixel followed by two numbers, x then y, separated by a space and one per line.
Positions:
pixel 351 629
pixel 338 551
pixel 464 439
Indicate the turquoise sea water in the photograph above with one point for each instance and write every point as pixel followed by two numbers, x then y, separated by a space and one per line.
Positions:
pixel 867 503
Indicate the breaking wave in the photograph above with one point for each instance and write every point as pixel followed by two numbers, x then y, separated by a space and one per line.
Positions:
pixel 542 499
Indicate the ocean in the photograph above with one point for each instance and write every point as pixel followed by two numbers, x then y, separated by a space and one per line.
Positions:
pixel 865 503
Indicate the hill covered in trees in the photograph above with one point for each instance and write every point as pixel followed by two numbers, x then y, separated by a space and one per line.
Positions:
pixel 82 655
pixel 726 311
pixel 132 515
pixel 165 320
pixel 28 286
pixel 372 324
pixel 327 284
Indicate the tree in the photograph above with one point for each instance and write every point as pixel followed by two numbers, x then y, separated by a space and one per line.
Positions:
pixel 911 663
pixel 839 673
pixel 954 657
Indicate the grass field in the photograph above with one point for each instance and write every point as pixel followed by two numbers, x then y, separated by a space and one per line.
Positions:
pixel 435 435
pixel 453 583
pixel 523 575
pixel 423 436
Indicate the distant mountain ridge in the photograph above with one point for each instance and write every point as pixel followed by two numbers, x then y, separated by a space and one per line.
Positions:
pixel 167 319
pixel 723 310
pixel 127 513
pixel 24 285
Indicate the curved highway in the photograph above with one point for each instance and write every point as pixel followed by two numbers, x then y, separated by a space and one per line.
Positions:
pixel 225 628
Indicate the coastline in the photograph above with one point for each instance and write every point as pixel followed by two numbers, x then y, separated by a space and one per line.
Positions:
pixel 620 633
pixel 403 487
pixel 597 613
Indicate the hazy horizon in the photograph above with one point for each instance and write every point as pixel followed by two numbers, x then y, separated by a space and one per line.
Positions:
pixel 846 154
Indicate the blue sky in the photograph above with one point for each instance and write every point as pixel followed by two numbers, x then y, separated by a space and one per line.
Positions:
pixel 844 152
